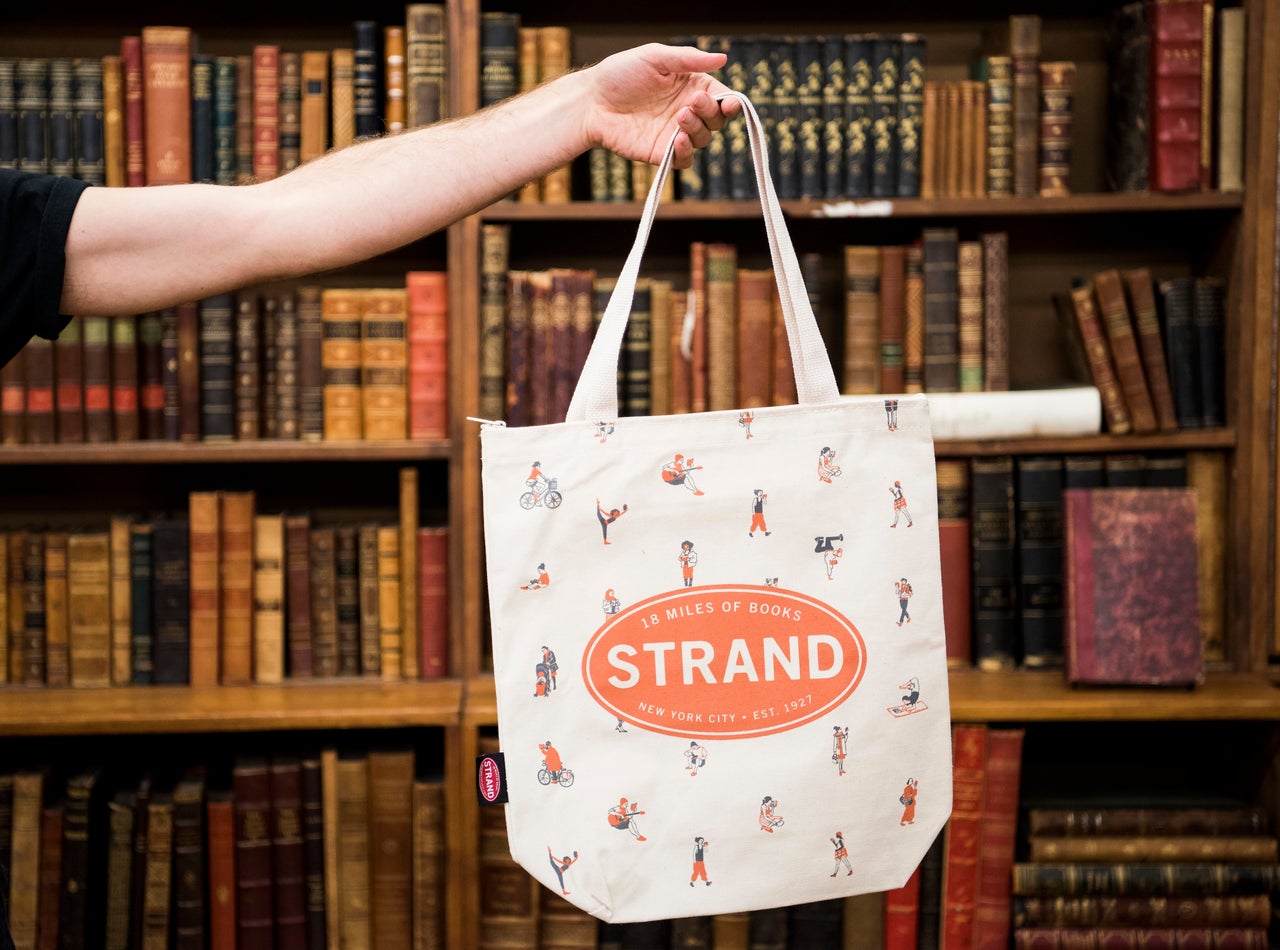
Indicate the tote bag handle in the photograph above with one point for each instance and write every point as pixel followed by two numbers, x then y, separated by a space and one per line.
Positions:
pixel 596 396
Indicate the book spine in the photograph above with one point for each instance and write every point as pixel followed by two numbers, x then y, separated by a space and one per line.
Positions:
pixel 426 42
pixel 24 863
pixel 288 858
pixel 999 826
pixel 353 853
pixel 157 887
pixel 834 92
pixel 52 822
pixel 755 337
pixel 393 77
pixel 995 311
pixel 205 514
pixel 954 541
pixel 913 320
pixel 1142 880
pixel 367 569
pixel 266 112
pixel 390 632
pixel 786 127
pixel 563 375
pixel 235 587
pixel 428 865
pixel 122 377
pixel 166 65
pixel 13 400
pixel 225 164
pixel 33 116
pixel 173 611
pixel 313 133
pixel 722 315
pixel 220 821
pixel 969 316
pixel 698 345
pixel 909 121
pixel 862 334
pixel 186 377
pixel 251 801
pixel 80 910
pixel 1127 158
pixel 433 602
pixel 494 263
pixel 268 598
pixel 140 800
pixel 297 534
pixel 342 104
pixel 1147 329
pixel 152 376
pixel 61 118
pixel 286 365
pixel 1057 87
pixel 1124 349
pixel 89 609
pixel 384 364
pixel 858 148
pixel 1039 530
pixel 1155 848
pixel 1098 355
pixel 202 162
pixel 428 357
pixel 141 612
pixel 390 855
pixel 1177 64
pixel 1229 134
pixel 119 860
pixel 340 358
pixel 216 368
pixel 68 367
pixel 313 854
pixel 1000 137
pixel 962 836
pixel 8 112
pixel 745 58
pixel 88 111
pixel 324 609
pixel 901 914
pixel 34 618
pixel 290 128
pixel 637 375
pixel 57 646
pixel 1024 50
pixel 810 70
pixel 97 357
pixel 1097 910
pixel 941 310
pixel 346 598
pixel 246 387
pixel 1207 322
pixel 992 529
pixel 310 310
pixel 15 582
pixel 40 424
pixel 189 863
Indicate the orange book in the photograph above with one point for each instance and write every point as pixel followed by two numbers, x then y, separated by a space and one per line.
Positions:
pixel 554 59
pixel 166 78
pixel 343 100
pixel 755 337
pixel 113 119
pixel 340 362
pixel 204 514
pixel 235 601
pixel 383 363
pixel 393 77
pixel 428 354
pixel 407 558
pixel 433 602
pixel 220 822
pixel 266 112
pixel 315 105
pixel 57 657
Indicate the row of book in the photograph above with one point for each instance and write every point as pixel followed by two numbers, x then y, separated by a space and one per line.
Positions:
pixel 285 851
pixel 305 362
pixel 1003 526
pixel 223 595
pixel 161 112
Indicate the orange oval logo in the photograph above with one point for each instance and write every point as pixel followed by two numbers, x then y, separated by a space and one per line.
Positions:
pixel 728 662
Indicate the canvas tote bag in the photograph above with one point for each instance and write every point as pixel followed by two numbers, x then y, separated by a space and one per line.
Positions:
pixel 717 637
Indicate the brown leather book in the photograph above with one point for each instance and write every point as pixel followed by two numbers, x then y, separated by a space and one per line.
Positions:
pixel 433 602
pixel 310 363
pixel 563 375
pixel 57 648
pixel 698 290
pixel 495 252
pixel 659 354
pixel 1149 848
pixel 287 857
pixel 722 326
pixel 13 400
pixel 352 870
pixel 297 539
pixel 314 131
pixel 134 115
pixel 343 101
pixel 892 307
pixel 313 842
pixel 157 887
pixel 68 392
pixel 390 848
pixel 52 822
pixel 963 834
pixel 1024 51
pixel 340 361
pixel 1057 89
pixel 119 864
pixel 913 319
pixel 554 59
pixel 97 356
pixel 962 146
pixel 166 67
pixel 931 144
pixel 205 517
pixel 969 312
pixel 953 145
pixel 245 385
pixel 121 603
pixel 426 64
pixel 286 366
pixel 190 862
pixel 266 111
pixel 24 862
pixel 516 398
pixel 329 814
pixel 390 632
pixel 428 335
pixel 235 573
pixel 394 82
pixel 541 366
pixel 124 378
pixel 324 610
pixel 221 836
pixel 15 583
pixel 244 119
pixel 41 427
pixel 1181 34
pixel 188 342
pixel 428 865
pixel 1114 310
pixel 1098 353
pixel 268 598
pixel 290 113
pixel 999 130
pixel 408 563
pixel 270 373
pixel 681 372
pixel 1142 304
pixel 941 310
pixel 346 597
pixel 529 75
pixel 151 376
pixel 255 902
pixel 976 139
pixel 33 613
pixel 367 568
pixel 89 608
pixel 995 311
pixel 754 337
pixel 954 541
pixel 996 848
pixel 1207 474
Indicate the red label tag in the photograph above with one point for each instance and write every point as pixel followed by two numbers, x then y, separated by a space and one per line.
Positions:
pixel 491 779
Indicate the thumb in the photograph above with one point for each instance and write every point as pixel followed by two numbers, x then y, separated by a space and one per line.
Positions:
pixel 686 59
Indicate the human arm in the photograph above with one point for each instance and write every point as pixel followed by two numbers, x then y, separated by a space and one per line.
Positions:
pixel 131 250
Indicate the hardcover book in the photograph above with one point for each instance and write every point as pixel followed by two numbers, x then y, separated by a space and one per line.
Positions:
pixel 166 63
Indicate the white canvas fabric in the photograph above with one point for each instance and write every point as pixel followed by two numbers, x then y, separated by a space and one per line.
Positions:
pixel 718 640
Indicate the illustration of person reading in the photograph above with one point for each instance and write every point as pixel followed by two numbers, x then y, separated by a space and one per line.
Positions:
pixel 827 468
pixel 899 505
pixel 560 865
pixel 542 580
pixel 677 472
pixel 610 605
pixel 623 817
pixel 769 817
pixel 607 518
pixel 688 561
pixel 699 856
pixel 696 755
pixel 842 855
pixel 903 589
pixel 908 801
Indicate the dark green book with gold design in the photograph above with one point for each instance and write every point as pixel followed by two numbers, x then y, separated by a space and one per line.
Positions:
pixel 857 116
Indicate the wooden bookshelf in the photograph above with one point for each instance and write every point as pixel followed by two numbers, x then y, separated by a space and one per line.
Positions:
pixel 204 453
pixel 1189 440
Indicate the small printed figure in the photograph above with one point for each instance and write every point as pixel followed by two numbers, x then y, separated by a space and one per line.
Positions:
pixel 551 760
pixel 899 505
pixel 607 518
pixel 603 431
pixel 541 680
pixel 542 490
pixel 769 817
pixel 891 411
pixel 542 580
pixel 831 554
pixel 699 868
pixel 842 855
pixel 758 500
pixel 676 472
pixel 903 589
pixel 913 696
pixel 911 702
pixel 770 582
pixel 549 661
pixel 688 561
pixel 610 605
pixel 623 817
pixel 620 727
pixel 697 757
pixel 825 542
pixel 908 800
pixel 839 748
pixel 745 418
pixel 827 468
pixel 560 865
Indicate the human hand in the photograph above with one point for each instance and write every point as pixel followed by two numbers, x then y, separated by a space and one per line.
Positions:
pixel 642 95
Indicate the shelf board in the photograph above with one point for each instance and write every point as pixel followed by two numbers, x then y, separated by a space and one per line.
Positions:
pixel 1188 440
pixel 355 704
pixel 1045 696
pixel 199 453
pixel 1100 203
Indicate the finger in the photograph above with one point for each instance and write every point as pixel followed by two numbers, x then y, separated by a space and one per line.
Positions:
pixel 694 127
pixel 688 59
pixel 682 157
pixel 708 112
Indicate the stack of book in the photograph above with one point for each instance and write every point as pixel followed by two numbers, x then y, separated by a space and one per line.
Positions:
pixel 1145 877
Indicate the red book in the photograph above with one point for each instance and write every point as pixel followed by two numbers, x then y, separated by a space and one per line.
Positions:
pixel 266 112
pixel 166 77
pixel 50 889
pixel 1131 606
pixel 151 375
pixel 1179 33
pixel 996 847
pixel 428 354
pixel 222 873
pixel 287 858
pixel 901 911
pixel 954 542
pixel 135 153
pixel 68 392
pixel 961 847
pixel 255 916
pixel 433 602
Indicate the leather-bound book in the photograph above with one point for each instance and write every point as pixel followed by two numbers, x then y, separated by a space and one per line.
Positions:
pixel 815 924
pixel 225 162
pixel 235 587
pixel 931 130
pixel 722 318
pixel 563 374
pixel 783 146
pixel 993 537
pixel 1114 309
pixel 744 56
pixel 355 926
pixel 205 514
pixel 61 118
pixel 34 620
pixel 68 392
pixel 266 111
pixel 433 602
pixel 287 852
pixel 390 848
pixel 297 540
pixel 941 310
pixel 1093 336
pixel 755 337
pixel 1177 297
pixel 394 83
pixel 429 865
pixel 141 604
pixel 913 319
pixel 49 888
pixel 859 80
pixel 121 649
pixel 542 364
pixel 862 343
pixel 157 890
pixel 1251 849
pixel 202 168
pixel 190 860
pixel 82 903
pixel 188 330
pixel 390 632
pixel 1164 470
pixel 998 838
pixel 426 54
pixel 1146 880
pixel 698 345
pixel 1207 319
pixel 97 378
pixel 118 870
pixel 244 119
pixel 995 311
pixel 89 608
pixel 961 863
pixel 999 137
pixel 329 814
pixel 13 400
pixel 172 416
pixel 255 902
pixel 1024 52
pixel 57 636
pixel 290 110
pixel 123 379
pixel 221 844
pixel 900 913
pixel 340 359
pixel 954 541
pixel 367 570
pixel 516 398
pixel 1207 474
pixel 141 800
pixel 1180 32
pixel 716 160
pixel 324 610
pixel 810 71
pixel 313 853
pixel 268 598
pixel 975 139
pixel 428 333
pixel 1229 131
pixel 33 116
pixel 40 424
pixel 893 273
pixel 151 376
pixel 969 315
pixel 217 351
pixel 313 133
pixel 166 64
pixel 15 590
pixel 342 102
pixel 494 261
pixel 287 381
pixel 554 59
pixel 310 363
pixel 1039 527
pixel 952 126
pixel 1132 605
pixel 346 597
pixel 407 561
pixel 245 387
pixel 88 110
pixel 659 333
pixel 1142 304
pixel 498 54
pixel 909 121
pixel 29 794
pixel 1128 88
pixel 1057 89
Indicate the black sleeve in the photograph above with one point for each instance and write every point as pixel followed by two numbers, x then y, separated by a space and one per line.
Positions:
pixel 35 216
